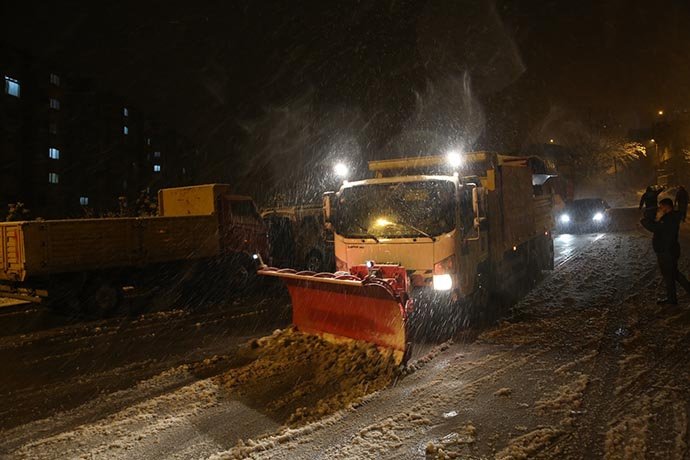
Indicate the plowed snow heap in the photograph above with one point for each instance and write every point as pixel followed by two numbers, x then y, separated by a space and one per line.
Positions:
pixel 296 378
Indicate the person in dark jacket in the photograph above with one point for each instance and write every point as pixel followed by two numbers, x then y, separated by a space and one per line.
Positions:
pixel 667 248
pixel 649 201
pixel 682 202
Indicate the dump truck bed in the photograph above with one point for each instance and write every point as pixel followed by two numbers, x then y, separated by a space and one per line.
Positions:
pixel 40 248
pixel 517 214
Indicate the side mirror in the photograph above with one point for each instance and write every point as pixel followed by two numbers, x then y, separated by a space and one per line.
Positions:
pixel 475 201
pixel 330 205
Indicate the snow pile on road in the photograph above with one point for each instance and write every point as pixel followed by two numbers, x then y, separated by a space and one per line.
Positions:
pixel 313 377
pixel 528 445
pixel 453 445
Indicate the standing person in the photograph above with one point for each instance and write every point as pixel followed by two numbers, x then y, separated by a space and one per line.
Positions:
pixel 649 201
pixel 682 202
pixel 665 244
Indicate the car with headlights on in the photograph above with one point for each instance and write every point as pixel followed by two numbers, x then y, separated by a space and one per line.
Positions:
pixel 583 215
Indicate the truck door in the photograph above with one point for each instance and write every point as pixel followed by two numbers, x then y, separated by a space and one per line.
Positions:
pixel 474 242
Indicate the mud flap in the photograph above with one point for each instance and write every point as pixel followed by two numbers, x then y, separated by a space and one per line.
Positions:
pixel 346 308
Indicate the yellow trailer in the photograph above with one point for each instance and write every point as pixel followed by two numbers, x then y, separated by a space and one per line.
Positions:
pixel 34 248
pixel 204 223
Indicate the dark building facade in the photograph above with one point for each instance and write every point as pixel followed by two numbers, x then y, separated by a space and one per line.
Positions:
pixel 68 149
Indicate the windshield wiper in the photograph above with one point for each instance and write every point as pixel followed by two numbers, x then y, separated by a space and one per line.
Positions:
pixel 366 232
pixel 421 232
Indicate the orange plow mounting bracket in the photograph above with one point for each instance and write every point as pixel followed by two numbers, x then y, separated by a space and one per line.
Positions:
pixel 338 308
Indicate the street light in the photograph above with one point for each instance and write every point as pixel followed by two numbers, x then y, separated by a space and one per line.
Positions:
pixel 660 112
pixel 551 141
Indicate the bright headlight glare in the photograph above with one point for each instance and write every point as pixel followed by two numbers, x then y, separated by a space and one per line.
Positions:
pixel 598 217
pixel 443 282
pixel 565 218
pixel 454 159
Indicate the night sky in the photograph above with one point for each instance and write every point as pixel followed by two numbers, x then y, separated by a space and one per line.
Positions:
pixel 262 83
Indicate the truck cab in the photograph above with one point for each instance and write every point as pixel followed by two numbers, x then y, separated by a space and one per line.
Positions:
pixel 454 226
pixel 298 237
pixel 240 226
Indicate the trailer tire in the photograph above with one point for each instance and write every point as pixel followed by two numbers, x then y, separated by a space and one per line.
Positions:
pixel 102 298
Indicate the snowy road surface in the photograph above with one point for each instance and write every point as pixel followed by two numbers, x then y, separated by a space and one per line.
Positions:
pixel 566 246
pixel 588 367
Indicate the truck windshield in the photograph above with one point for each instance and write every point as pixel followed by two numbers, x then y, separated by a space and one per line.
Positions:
pixel 397 210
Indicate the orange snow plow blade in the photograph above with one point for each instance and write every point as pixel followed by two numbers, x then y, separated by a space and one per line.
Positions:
pixel 345 307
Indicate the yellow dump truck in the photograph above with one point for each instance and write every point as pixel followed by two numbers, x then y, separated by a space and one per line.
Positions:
pixel 94 261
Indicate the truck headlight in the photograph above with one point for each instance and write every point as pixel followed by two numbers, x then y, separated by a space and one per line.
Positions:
pixel 443 282
pixel 565 218
pixel 598 217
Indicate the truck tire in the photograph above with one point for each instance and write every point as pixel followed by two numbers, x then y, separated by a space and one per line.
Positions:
pixel 479 306
pixel 242 273
pixel 534 272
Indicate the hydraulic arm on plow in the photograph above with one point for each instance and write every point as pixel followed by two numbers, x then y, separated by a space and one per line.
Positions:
pixel 370 304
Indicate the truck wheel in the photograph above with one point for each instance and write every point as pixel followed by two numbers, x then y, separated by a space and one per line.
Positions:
pixel 533 272
pixel 314 262
pixel 479 312
pixel 549 257
pixel 242 273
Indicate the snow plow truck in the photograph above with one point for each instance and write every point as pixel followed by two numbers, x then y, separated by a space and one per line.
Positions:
pixel 428 238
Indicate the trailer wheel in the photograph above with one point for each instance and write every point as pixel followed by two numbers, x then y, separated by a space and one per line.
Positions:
pixel 102 298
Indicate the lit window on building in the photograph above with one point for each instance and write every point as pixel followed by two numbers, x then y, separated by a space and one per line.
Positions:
pixel 156 168
pixel 125 130
pixel 148 141
pixel 12 86
pixel 54 104
pixel 53 178
pixel 52 128
pixel 184 171
pixel 55 79
pixel 84 200
pixel 156 154
pixel 125 111
pixel 53 153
